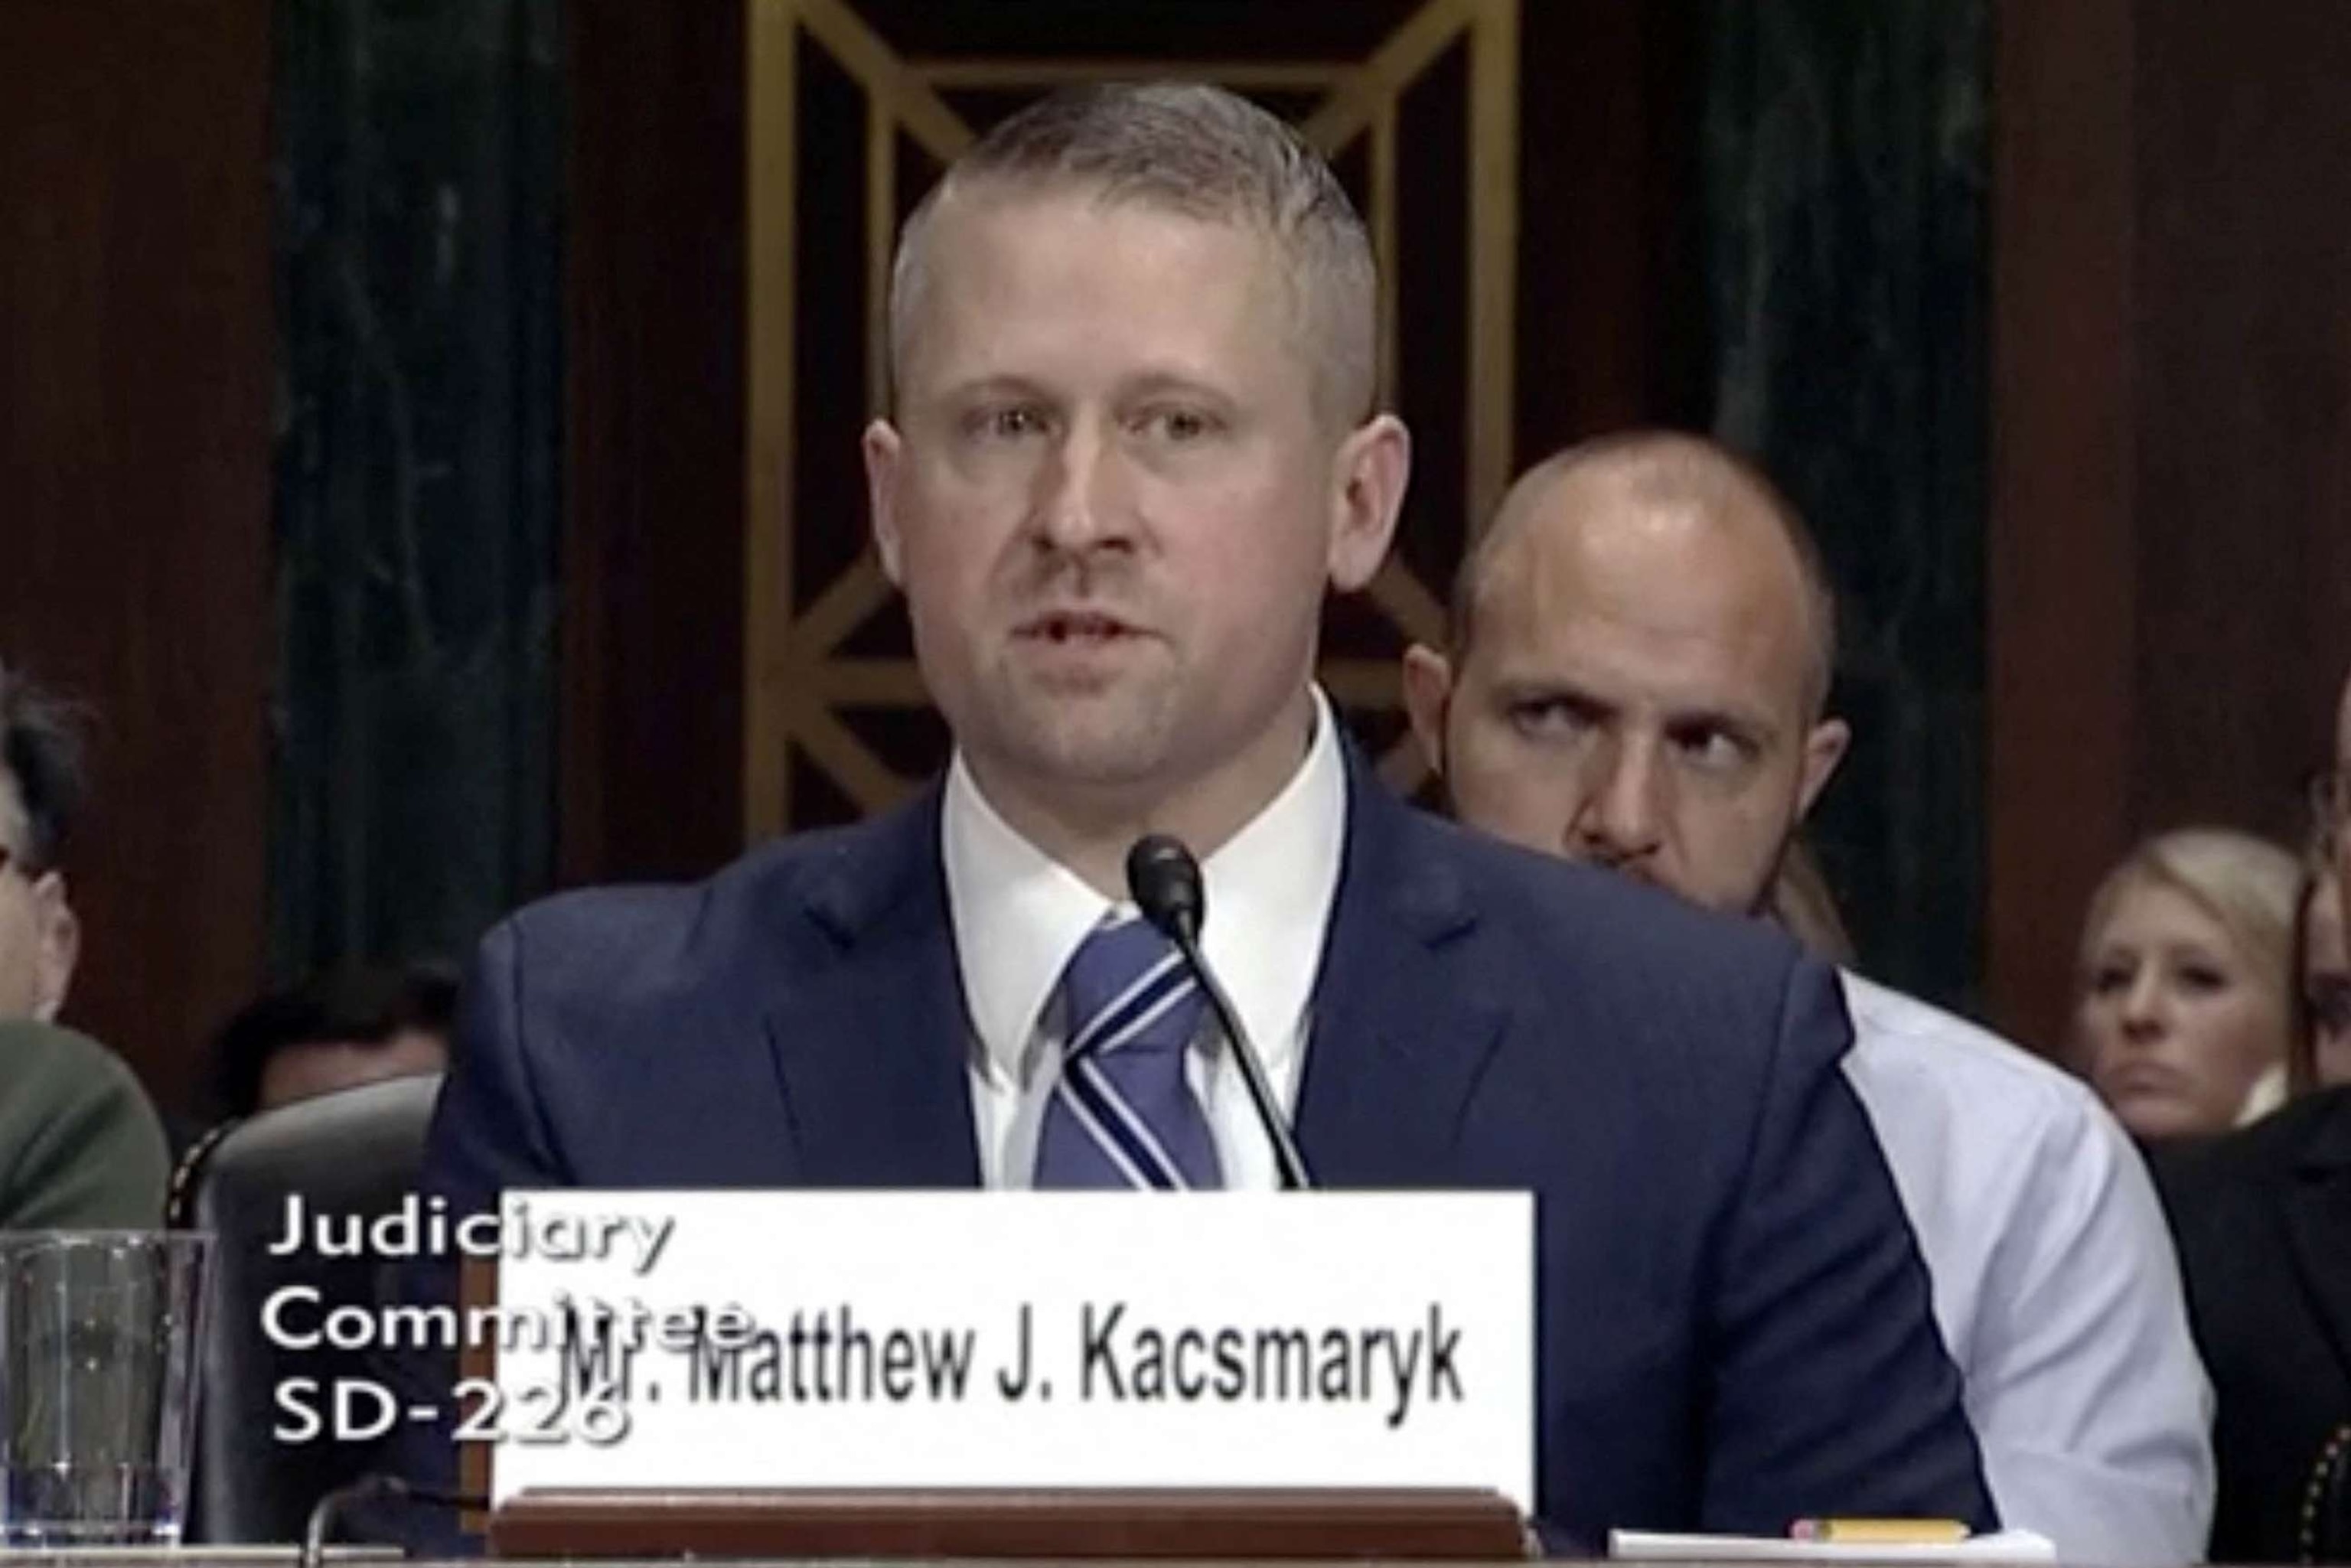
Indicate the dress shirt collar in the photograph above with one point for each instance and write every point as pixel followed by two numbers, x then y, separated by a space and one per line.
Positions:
pixel 1019 914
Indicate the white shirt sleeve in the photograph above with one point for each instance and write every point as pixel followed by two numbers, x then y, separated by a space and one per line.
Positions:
pixel 2056 1285
pixel 2094 1409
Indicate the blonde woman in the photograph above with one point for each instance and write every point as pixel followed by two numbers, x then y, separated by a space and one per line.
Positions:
pixel 2185 1003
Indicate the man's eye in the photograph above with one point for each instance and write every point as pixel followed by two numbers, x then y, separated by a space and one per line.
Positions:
pixel 1177 427
pixel 1714 750
pixel 1550 718
pixel 1010 422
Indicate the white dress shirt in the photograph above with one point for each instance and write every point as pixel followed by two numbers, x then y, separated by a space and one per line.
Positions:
pixel 1019 915
pixel 2055 1284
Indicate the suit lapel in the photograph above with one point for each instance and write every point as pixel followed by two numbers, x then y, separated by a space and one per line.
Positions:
pixel 871 1047
pixel 1397 1042
pixel 2318 1227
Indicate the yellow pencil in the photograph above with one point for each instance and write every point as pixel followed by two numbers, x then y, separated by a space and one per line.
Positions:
pixel 1879 1531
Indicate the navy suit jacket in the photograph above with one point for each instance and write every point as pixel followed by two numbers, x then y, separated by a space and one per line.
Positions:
pixel 1733 1319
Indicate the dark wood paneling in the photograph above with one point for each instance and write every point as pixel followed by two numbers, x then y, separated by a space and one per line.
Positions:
pixel 2062 636
pixel 134 479
pixel 652 646
pixel 2171 572
pixel 1613 329
pixel 2243 431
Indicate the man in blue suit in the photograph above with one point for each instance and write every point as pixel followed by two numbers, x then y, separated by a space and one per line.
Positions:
pixel 1132 342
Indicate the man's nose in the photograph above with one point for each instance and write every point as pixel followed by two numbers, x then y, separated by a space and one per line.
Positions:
pixel 1624 816
pixel 1081 505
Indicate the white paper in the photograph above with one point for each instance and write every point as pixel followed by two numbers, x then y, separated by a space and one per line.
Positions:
pixel 2007 1546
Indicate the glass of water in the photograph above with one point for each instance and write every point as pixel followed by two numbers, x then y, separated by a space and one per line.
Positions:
pixel 99 1337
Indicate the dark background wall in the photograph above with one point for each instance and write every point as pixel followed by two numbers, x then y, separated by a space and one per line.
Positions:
pixel 135 407
pixel 418 235
pixel 1846 154
pixel 2165 345
pixel 2170 603
pixel 651 762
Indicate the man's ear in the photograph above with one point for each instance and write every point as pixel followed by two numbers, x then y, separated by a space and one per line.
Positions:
pixel 58 947
pixel 1825 747
pixel 1374 465
pixel 1427 691
pixel 885 456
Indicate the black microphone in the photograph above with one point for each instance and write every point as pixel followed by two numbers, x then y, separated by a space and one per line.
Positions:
pixel 1165 880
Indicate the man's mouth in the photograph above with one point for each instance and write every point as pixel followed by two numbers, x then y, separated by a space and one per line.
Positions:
pixel 1079 626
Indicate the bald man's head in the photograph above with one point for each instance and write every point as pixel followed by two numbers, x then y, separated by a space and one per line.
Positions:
pixel 1658 473
pixel 1642 646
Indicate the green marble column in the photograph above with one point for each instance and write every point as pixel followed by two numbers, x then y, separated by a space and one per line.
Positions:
pixel 1844 168
pixel 418 178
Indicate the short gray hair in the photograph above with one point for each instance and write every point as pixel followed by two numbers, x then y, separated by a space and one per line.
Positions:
pixel 1203 152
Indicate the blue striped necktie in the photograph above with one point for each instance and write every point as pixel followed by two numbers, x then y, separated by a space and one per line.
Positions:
pixel 1122 1113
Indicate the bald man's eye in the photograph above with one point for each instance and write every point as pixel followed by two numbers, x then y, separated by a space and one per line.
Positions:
pixel 1716 748
pixel 1554 721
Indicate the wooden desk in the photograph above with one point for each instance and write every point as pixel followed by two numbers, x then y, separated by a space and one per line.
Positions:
pixel 1122 1524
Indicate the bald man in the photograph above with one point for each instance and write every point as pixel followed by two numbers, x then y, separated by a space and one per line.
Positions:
pixel 1640 660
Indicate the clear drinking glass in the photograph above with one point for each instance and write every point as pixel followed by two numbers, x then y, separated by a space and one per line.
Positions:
pixel 98 1385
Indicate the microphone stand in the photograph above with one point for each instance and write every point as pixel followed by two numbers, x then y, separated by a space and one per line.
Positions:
pixel 1164 878
pixel 1286 1157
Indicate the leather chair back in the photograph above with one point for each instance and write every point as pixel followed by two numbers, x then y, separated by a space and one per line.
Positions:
pixel 354 1154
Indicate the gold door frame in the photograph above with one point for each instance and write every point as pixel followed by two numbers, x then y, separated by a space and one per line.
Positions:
pixel 794 677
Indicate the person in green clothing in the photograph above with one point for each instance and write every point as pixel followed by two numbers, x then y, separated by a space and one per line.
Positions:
pixel 80 1148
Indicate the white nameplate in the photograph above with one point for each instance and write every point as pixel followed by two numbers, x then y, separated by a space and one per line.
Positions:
pixel 1014 1340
